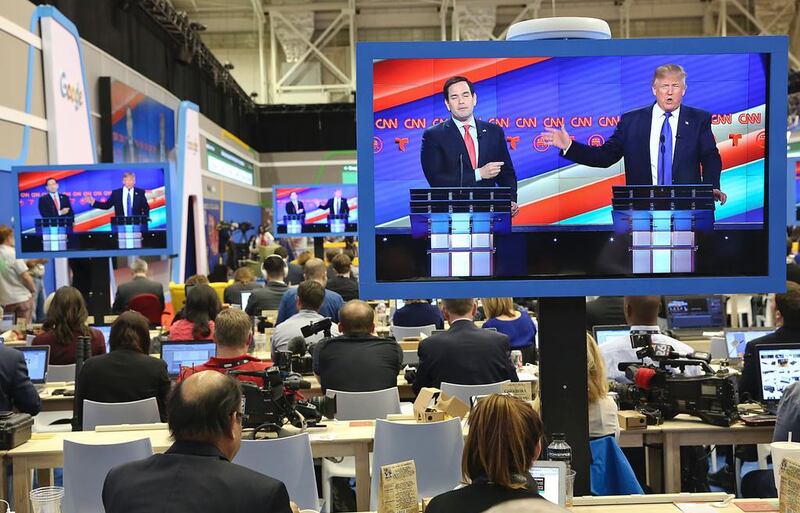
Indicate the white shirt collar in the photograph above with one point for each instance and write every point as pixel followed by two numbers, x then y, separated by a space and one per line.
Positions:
pixel 658 112
pixel 645 328
pixel 460 319
pixel 470 122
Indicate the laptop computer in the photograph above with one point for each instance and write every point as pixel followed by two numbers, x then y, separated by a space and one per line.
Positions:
pixel 551 480
pixel 690 316
pixel 245 299
pixel 737 338
pixel 778 367
pixel 602 334
pixel 106 331
pixel 36 359
pixel 186 353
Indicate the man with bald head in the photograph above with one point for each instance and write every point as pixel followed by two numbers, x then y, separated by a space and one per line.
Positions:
pixel 357 361
pixel 315 270
pixel 641 313
pixel 196 473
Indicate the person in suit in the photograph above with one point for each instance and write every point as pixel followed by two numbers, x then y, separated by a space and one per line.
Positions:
pixel 127 200
pixel 127 373
pixel 244 280
pixel 139 284
pixel 662 144
pixel 314 270
pixel 54 204
pixel 295 206
pixel 336 205
pixel 16 390
pixel 464 354
pixel 463 151
pixel 196 473
pixel 269 297
pixel 294 274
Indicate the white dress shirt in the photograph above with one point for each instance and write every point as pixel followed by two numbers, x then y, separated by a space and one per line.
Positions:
pixel 473 132
pixel 603 418
pixel 655 137
pixel 337 202
pixel 618 349
pixel 125 193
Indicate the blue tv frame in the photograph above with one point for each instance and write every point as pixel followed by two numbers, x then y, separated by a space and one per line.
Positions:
pixel 774 281
pixel 275 216
pixel 168 170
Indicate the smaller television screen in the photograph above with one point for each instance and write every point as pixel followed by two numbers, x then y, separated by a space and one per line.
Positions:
pixel 98 210
pixel 688 312
pixel 315 210
pixel 779 367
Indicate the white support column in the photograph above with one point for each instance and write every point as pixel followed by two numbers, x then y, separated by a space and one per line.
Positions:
pixel 258 10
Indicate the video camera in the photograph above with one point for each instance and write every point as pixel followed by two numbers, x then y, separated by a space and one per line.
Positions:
pixel 661 395
pixel 269 408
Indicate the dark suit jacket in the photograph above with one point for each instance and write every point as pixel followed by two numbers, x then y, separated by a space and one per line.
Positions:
pixel 466 355
pixel 345 286
pixel 344 208
pixel 605 311
pixel 138 285
pixel 442 144
pixel 295 274
pixel 290 208
pixel 140 206
pixel 694 146
pixel 191 477
pixel 121 376
pixel 47 207
pixel 478 497
pixel 750 382
pixel 233 293
pixel 16 389
pixel 793 272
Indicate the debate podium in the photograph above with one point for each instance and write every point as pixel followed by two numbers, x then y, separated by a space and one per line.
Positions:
pixel 460 224
pixel 337 223
pixel 663 222
pixel 294 223
pixel 129 230
pixel 54 231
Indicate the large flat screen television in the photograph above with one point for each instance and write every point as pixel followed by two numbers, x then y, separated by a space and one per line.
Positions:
pixel 316 210
pixel 99 210
pixel 634 205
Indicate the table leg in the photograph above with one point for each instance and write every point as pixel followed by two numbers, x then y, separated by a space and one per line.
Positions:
pixel 22 484
pixel 672 463
pixel 363 482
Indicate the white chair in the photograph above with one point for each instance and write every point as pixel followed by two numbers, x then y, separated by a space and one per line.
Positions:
pixel 96 414
pixel 288 459
pixel 401 332
pixel 86 467
pixel 57 373
pixel 435 447
pixel 465 392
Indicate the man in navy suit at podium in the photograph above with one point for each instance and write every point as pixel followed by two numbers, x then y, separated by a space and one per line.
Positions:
pixel 463 151
pixel 127 200
pixel 54 204
pixel 336 205
pixel 663 144
pixel 295 206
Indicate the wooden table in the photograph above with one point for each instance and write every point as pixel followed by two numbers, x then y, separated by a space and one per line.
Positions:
pixel 406 393
pixel 661 508
pixel 52 402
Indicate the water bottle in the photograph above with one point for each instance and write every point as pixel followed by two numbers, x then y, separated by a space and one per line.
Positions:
pixel 380 312
pixel 559 449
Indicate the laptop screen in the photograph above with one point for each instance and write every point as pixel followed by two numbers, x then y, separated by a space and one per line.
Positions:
pixel 106 331
pixel 736 340
pixel 779 367
pixel 245 299
pixel 36 359
pixel 179 354
pixel 695 312
pixel 602 334
pixel 550 479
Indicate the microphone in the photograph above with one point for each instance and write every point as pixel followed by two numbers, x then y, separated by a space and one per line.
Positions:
pixel 461 165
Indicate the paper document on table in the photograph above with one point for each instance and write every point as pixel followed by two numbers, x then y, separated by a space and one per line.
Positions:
pixel 696 507
pixel 790 486
pixel 397 492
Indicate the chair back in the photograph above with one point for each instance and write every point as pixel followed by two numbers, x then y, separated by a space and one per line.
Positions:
pixel 401 332
pixel 86 467
pixel 465 392
pixel 365 405
pixel 219 287
pixel 610 472
pixel 60 373
pixel 148 305
pixel 435 447
pixel 177 295
pixel 287 459
pixel 96 414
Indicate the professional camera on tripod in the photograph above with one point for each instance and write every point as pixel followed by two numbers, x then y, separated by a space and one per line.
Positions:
pixel 661 395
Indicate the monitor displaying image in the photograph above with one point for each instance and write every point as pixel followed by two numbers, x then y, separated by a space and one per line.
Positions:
pixel 779 367
pixel 315 210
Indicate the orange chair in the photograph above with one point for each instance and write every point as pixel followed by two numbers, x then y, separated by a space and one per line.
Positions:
pixel 148 305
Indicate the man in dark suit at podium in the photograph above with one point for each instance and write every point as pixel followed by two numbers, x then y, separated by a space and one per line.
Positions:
pixel 54 204
pixel 336 205
pixel 295 206
pixel 464 151
pixel 663 144
pixel 127 200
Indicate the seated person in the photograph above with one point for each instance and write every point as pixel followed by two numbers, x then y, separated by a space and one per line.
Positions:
pixel 605 311
pixel 191 281
pixel 66 321
pixel 219 274
pixel 127 373
pixel 294 272
pixel 504 439
pixel 342 283
pixel 330 254
pixel 196 473
pixel 310 295
pixel 464 354
pixel 418 312
pixel 333 302
pixel 17 393
pixel 506 318
pixel 602 407
pixel 201 308
pixel 357 361
pixel 269 297
pixel 139 284
pixel 243 280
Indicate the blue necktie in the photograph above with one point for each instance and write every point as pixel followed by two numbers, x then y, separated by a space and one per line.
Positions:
pixel 130 201
pixel 665 152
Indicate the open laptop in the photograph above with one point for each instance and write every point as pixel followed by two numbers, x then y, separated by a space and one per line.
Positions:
pixel 245 299
pixel 186 353
pixel 106 331
pixel 778 367
pixel 737 338
pixel 689 316
pixel 551 480
pixel 36 359
pixel 602 334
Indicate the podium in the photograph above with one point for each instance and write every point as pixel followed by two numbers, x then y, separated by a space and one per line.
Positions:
pixel 129 230
pixel 54 231
pixel 663 222
pixel 294 223
pixel 337 223
pixel 460 223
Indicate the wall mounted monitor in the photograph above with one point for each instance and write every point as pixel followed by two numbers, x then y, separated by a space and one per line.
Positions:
pixel 315 210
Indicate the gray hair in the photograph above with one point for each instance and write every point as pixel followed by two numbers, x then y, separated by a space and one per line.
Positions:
pixel 669 69
pixel 139 266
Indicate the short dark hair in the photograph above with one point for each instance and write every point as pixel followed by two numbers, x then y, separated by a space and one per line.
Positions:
pixel 459 306
pixel 202 306
pixel 788 304
pixel 131 330
pixel 281 252
pixel 455 80
pixel 311 295
pixel 50 178
pixel 357 316
pixel 341 263
pixel 274 266
pixel 206 415
pixel 330 253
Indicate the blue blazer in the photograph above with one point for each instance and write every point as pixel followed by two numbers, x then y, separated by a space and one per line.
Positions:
pixel 443 143
pixel 140 206
pixel 694 147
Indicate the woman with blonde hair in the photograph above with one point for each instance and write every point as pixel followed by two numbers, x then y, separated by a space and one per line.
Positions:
pixel 602 407
pixel 502 315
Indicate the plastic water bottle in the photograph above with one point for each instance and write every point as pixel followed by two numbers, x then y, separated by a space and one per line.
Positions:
pixel 559 449
pixel 380 312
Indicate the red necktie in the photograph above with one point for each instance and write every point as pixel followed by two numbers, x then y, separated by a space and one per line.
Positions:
pixel 470 147
pixel 58 204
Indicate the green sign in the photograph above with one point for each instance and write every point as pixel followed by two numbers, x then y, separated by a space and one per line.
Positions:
pixel 349 173
pixel 224 163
